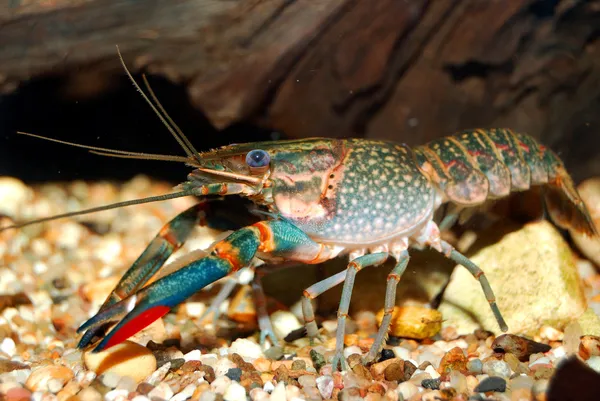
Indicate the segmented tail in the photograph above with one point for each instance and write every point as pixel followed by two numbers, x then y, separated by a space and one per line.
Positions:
pixel 473 166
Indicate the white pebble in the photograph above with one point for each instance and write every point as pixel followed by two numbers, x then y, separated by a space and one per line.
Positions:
pixel 325 386
pixel 248 350
pixel 55 385
pixel 110 379
pixel 235 392
pixel 284 322
pixel 220 384
pixel 432 372
pixel 401 352
pixel 8 346
pixel 279 393
pixel 193 355
pixel 184 394
pixel 195 309
pixel 258 394
pixel 269 387
pixel 13 194
pixel 594 363
pixel 113 395
pixel 407 389
pixel 542 360
pixel 353 349
pixel 223 366
pixel 162 391
pixel 159 374
pixel 209 359
pixel 140 398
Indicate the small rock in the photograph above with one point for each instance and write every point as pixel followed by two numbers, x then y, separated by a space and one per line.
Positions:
pixel 401 352
pixel 39 378
pixel 454 359
pixel 193 355
pixel 307 381
pixel 125 359
pixel 235 392
pixel 89 394
pixel 275 353
pixel 223 366
pixel 521 347
pixel 317 359
pixel 475 366
pixel 278 394
pixel 497 368
pixel 235 374
pixel 537 253
pixel 407 390
pixel 325 386
pixel 249 350
pixel 458 381
pixel 18 394
pixel 433 384
pixel 299 364
pixel 413 322
pixel 162 391
pixel 594 363
pixel 284 322
pixel 492 383
pixel 394 372
pixel 589 322
pixel 110 379
pixel 13 194
pixel 386 354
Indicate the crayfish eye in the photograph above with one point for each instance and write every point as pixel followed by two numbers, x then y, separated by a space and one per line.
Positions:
pixel 258 159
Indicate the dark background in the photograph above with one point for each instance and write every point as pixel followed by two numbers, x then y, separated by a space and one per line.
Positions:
pixel 239 70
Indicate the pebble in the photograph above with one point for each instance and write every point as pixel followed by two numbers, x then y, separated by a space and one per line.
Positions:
pixel 589 346
pixel 8 346
pixel 497 368
pixel 325 386
pixel 453 360
pixel 110 379
pixel 492 383
pixel 521 347
pixel 222 367
pixel 307 381
pixel 125 359
pixel 90 394
pixel 39 378
pixel 195 355
pixel 234 374
pixel 13 193
pixel 353 349
pixel 275 353
pixel 117 394
pixel 17 394
pixel 249 350
pixel 235 392
pixel 386 354
pixel 475 366
pixel 284 322
pixel 162 391
pixel 433 384
pixel 407 390
pixel 594 363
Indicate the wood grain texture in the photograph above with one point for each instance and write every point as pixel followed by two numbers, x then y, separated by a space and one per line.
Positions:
pixel 409 71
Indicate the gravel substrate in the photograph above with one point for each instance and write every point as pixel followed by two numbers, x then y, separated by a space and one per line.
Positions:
pixel 54 276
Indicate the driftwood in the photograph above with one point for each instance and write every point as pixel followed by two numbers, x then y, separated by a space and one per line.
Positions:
pixel 406 70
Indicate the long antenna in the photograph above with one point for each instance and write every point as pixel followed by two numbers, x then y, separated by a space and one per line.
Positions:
pixel 101 208
pixel 166 115
pixel 157 112
pixel 111 152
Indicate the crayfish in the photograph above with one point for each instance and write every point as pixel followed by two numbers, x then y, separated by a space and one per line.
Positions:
pixel 323 198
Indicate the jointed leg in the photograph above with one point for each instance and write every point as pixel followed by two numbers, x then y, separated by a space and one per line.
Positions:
pixel 354 267
pixel 311 293
pixel 390 301
pixel 260 303
pixel 459 258
pixel 136 311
